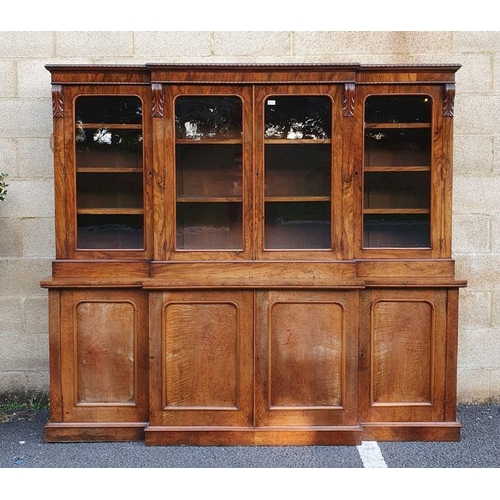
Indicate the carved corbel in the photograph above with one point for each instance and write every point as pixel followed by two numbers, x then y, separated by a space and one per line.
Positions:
pixel 57 101
pixel 158 100
pixel 449 99
pixel 348 100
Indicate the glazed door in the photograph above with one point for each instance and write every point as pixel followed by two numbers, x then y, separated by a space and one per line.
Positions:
pixel 298 162
pixel 201 358
pixel 306 361
pixel 207 163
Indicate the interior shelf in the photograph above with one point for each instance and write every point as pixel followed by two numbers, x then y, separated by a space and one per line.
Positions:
pixel 397 168
pixel 126 126
pixel 397 125
pixel 297 141
pixel 396 211
pixel 110 211
pixel 209 199
pixel 277 199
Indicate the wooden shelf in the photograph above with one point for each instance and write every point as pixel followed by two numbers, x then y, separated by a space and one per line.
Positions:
pixel 396 125
pixel 109 170
pixel 398 168
pixel 396 211
pixel 209 199
pixel 110 211
pixel 119 126
pixel 297 141
pixel 278 199
pixel 208 141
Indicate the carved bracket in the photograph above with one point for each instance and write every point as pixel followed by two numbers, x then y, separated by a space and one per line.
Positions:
pixel 57 101
pixel 348 100
pixel 449 99
pixel 158 100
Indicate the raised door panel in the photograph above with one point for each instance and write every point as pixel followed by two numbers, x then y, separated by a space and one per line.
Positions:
pixel 204 374
pixel 104 355
pixel 306 358
pixel 403 347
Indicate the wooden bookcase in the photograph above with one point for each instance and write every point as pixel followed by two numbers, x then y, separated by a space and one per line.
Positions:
pixel 253 254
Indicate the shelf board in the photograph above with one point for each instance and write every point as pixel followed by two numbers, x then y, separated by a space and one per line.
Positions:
pixel 397 168
pixel 208 141
pixel 109 170
pixel 119 126
pixel 297 141
pixel 369 126
pixel 396 211
pixel 110 211
pixel 209 199
pixel 278 199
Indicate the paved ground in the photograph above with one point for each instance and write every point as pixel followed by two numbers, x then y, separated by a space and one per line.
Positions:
pixel 22 446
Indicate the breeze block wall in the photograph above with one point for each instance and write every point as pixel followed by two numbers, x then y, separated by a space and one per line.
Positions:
pixel 27 214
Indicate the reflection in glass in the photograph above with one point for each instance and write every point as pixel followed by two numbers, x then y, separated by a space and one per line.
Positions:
pixel 108 109
pixel 108 147
pixel 208 117
pixel 298 117
pixel 398 109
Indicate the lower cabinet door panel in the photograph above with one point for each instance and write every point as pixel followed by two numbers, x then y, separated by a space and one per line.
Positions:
pixel 104 355
pixel 201 358
pixel 402 373
pixel 306 358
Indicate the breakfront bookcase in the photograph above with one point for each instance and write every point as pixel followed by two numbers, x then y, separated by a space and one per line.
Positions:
pixel 253 254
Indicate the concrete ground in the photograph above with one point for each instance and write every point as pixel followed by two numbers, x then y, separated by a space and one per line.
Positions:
pixel 22 446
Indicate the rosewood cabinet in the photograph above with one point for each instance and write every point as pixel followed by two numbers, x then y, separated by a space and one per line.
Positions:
pixel 253 254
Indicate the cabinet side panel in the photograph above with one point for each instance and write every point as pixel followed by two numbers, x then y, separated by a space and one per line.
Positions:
pixel 105 352
pixel 402 338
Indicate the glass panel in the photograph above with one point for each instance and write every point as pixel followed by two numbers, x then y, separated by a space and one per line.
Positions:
pixel 297 163
pixel 110 231
pixel 295 225
pixel 397 177
pixel 208 117
pixel 109 181
pixel 209 173
pixel 213 226
pixel 397 231
pixel 397 190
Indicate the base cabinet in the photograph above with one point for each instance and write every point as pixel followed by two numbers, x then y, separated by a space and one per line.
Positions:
pixel 407 373
pixel 99 364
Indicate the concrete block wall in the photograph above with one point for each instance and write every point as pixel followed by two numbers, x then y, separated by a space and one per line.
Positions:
pixel 27 215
